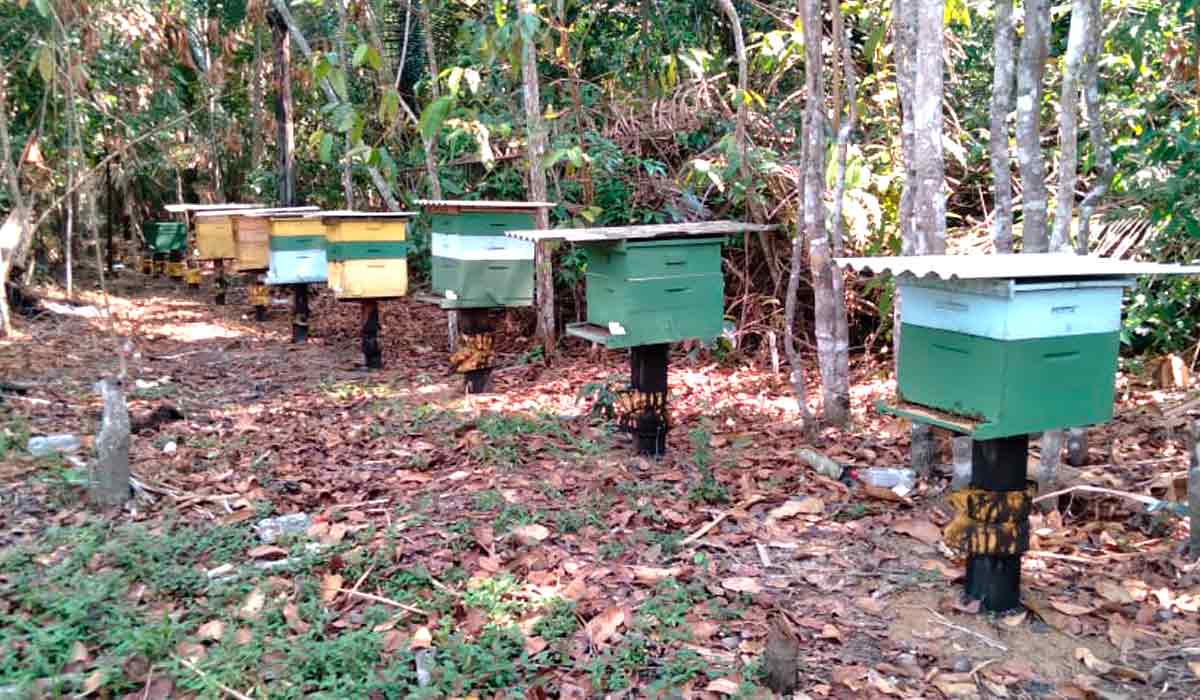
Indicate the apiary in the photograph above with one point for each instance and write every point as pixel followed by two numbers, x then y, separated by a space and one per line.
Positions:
pixel 296 250
pixel 367 253
pixel 212 226
pixel 647 287
pixel 996 348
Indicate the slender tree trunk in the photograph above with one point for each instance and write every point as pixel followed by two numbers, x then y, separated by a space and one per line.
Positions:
pixel 543 253
pixel 8 253
pixel 285 161
pixel 1068 123
pixel 343 59
pixel 835 391
pixel 842 49
pixel 929 205
pixel 1095 115
pixel 790 302
pixel 257 145
pixel 1194 491
pixel 430 145
pixel 1002 105
pixel 1031 69
pixel 904 28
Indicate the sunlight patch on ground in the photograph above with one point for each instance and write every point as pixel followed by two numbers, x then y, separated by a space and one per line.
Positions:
pixel 191 332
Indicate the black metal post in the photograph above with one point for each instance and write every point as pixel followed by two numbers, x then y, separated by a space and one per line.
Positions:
pixel 222 284
pixel 477 323
pixel 299 313
pixel 998 466
pixel 372 352
pixel 648 365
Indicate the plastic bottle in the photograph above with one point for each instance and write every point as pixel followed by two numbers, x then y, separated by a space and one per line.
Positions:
pixel 46 445
pixel 899 480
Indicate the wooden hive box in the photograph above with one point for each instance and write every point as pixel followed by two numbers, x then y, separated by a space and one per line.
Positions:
pixel 214 236
pixel 252 237
pixel 297 250
pixel 474 265
pixel 367 254
pixel 648 285
pixel 999 346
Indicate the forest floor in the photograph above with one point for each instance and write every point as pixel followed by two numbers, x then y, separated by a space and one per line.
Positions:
pixel 512 545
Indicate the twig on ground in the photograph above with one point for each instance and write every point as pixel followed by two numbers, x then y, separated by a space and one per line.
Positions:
pixel 229 691
pixel 941 620
pixel 385 601
pixel 719 519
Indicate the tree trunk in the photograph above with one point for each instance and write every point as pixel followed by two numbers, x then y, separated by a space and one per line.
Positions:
pixel 1002 105
pixel 285 160
pixel 1103 156
pixel 111 484
pixel 543 253
pixel 1194 491
pixel 347 167
pixel 435 183
pixel 790 302
pixel 929 197
pixel 24 232
pixel 904 28
pixel 842 49
pixel 257 145
pixel 1031 70
pixel 1068 123
pixel 835 390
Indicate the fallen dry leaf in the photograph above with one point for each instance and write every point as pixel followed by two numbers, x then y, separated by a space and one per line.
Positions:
pixel 1113 592
pixel 724 686
pixel 421 639
pixel 253 604
pixel 741 584
pixel 213 630
pixel 292 615
pixel 531 534
pixel 602 627
pixel 331 585
pixel 1104 668
pixel 268 552
pixel 956 685
pixel 1195 667
pixel 191 651
pixel 809 505
pixel 919 529
pixel 92 683
pixel 1073 609
pixel 654 574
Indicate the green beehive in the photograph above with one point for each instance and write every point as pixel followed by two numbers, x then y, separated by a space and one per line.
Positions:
pixel 648 285
pixel 1005 345
pixel 167 236
pixel 475 265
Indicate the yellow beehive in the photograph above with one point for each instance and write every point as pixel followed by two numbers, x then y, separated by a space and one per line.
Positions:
pixel 214 237
pixel 367 254
pixel 293 226
pixel 252 237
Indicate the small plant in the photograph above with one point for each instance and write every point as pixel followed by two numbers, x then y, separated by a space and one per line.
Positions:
pixel 603 398
pixel 536 355
pixel 14 436
pixel 708 490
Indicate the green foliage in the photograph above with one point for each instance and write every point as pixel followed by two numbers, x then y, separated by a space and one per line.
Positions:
pixel 707 489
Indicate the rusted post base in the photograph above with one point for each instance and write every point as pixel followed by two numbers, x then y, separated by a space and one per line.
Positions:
pixel 646 416
pixel 259 298
pixel 372 352
pixel 299 313
pixel 473 357
pixel 998 466
pixel 222 284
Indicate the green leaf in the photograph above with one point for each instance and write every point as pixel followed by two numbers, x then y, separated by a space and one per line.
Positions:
pixel 43 7
pixel 346 118
pixel 389 106
pixel 433 115
pixel 315 138
pixel 321 67
pixel 43 62
pixel 374 59
pixel 337 78
pixel 326 150
pixel 360 55
pixel 454 81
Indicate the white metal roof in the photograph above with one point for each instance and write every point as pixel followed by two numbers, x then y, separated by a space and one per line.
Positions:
pixel 1024 266
pixel 619 233
pixel 257 212
pixel 198 208
pixel 481 204
pixel 348 214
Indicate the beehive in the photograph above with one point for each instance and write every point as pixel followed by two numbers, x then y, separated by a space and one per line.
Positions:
pixel 214 236
pixel 367 253
pixel 297 250
pixel 252 236
pixel 474 265
pixel 167 236
pixel 648 285
pixel 1000 346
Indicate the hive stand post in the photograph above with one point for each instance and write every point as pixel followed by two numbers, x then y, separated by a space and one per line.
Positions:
pixel 192 275
pixel 372 352
pixel 647 416
pixel 999 466
pixel 473 358
pixel 299 313
pixel 222 284
pixel 259 298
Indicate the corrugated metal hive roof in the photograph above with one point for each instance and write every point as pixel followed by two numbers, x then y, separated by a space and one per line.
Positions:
pixel 1024 266
pixel 198 208
pixel 348 214
pixel 620 233
pixel 482 204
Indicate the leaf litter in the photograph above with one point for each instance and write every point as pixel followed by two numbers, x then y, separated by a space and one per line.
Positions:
pixel 519 511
